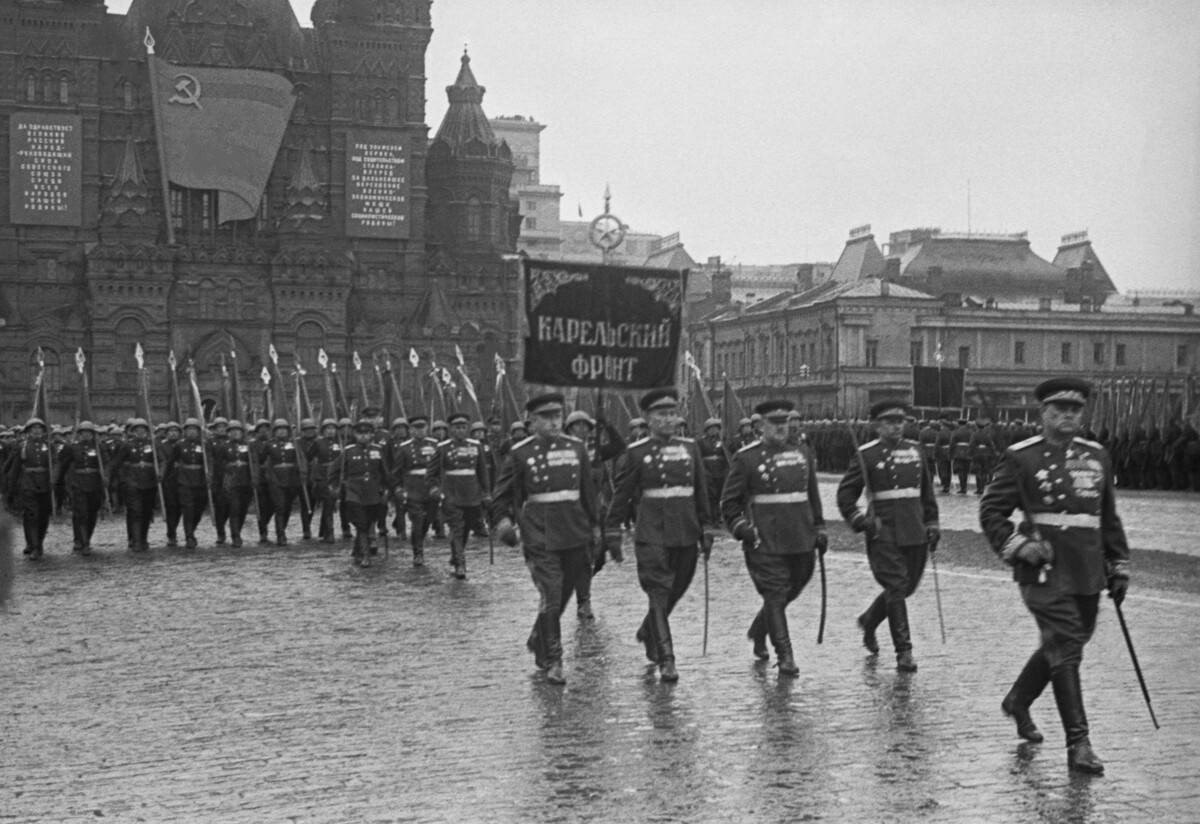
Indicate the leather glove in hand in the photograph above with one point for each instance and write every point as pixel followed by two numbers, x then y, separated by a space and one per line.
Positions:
pixel 1035 553
pixel 933 534
pixel 821 544
pixel 612 545
pixel 865 524
pixel 1118 585
pixel 506 531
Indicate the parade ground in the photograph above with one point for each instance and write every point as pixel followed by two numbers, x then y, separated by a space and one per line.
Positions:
pixel 282 684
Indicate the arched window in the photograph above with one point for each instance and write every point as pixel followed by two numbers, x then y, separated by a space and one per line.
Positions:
pixel 234 295
pixel 474 218
pixel 208 298
pixel 127 95
pixel 47 88
pixel 53 373
pixel 310 339
pixel 64 89
pixel 129 333
pixel 30 87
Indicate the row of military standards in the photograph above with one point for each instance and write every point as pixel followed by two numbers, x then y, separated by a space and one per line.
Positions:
pixel 549 497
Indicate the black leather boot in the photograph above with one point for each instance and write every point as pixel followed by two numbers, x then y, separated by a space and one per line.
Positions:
pixel 777 628
pixel 758 636
pixel 666 649
pixel 1068 693
pixel 1024 692
pixel 646 638
pixel 869 621
pixel 535 644
pixel 552 640
pixel 897 615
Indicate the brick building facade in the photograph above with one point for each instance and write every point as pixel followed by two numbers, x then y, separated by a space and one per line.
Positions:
pixel 298 274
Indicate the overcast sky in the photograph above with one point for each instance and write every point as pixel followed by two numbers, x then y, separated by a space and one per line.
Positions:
pixel 763 130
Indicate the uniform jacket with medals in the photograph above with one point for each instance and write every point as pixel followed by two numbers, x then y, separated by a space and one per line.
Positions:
pixel 186 461
pixel 231 464
pixel 666 481
pixel 545 486
pixel 134 463
pixel 459 469
pixel 901 489
pixel 80 464
pixel 413 458
pixel 363 473
pixel 29 468
pixel 1069 492
pixel 775 489
pixel 281 462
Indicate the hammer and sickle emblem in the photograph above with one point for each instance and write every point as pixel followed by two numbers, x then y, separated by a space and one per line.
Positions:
pixel 189 91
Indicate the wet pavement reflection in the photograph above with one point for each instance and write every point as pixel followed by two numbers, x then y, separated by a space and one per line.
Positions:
pixel 282 684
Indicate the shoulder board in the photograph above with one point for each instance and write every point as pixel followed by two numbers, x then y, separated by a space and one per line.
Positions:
pixel 683 439
pixel 571 438
pixel 868 444
pixel 475 441
pixel 638 442
pixel 751 445
pixel 406 443
pixel 443 443
pixel 910 442
pixel 521 443
pixel 1092 444
pixel 1028 442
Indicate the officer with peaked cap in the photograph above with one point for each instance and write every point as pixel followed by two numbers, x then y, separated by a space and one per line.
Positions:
pixel 900 522
pixel 662 476
pixel 1070 546
pixel 459 470
pixel 413 458
pixel 361 474
pixel 232 468
pixel 771 503
pixel 545 487
pixel 28 486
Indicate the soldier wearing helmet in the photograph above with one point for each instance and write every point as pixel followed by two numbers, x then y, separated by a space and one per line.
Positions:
pixel 264 502
pixel 217 438
pixel 29 486
pixel 308 447
pixel 281 464
pixel 187 464
pixel 80 469
pixel 137 466
pixel 232 466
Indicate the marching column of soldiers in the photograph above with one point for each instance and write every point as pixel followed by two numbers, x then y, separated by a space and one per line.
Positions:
pixel 553 493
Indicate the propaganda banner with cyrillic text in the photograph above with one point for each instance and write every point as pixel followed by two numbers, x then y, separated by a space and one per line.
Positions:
pixel 592 325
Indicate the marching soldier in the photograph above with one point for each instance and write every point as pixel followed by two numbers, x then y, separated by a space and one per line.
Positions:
pixel 281 469
pixel 232 469
pixel 169 441
pixel 186 464
pixel 716 462
pixel 941 456
pixel 604 443
pixel 399 436
pixel 217 438
pixel 459 471
pixel 308 448
pixel 479 432
pixel 546 487
pixel 28 486
pixel 960 454
pixel 266 506
pixel 663 476
pixel 412 467
pixel 983 453
pixel 329 449
pixel 137 468
pixel 1070 545
pixel 771 504
pixel 745 434
pixel 900 524
pixel 360 473
pixel 79 470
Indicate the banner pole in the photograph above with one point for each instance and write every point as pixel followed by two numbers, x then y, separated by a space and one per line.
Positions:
pixel 158 140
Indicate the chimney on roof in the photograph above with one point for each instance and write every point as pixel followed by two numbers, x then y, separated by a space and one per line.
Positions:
pixel 891 269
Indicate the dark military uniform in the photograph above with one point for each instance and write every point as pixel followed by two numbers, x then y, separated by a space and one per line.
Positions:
pixel 899 487
pixel 983 455
pixel 716 467
pixel 545 486
pixel 29 482
pixel 1066 492
pixel 960 455
pixel 232 467
pixel 134 464
pixel 220 501
pixel 266 506
pixel 79 471
pixel 459 471
pixel 186 464
pixel 172 510
pixel 361 473
pixel 773 489
pixel 329 450
pixel 664 479
pixel 412 467
pixel 281 469
pixel 941 457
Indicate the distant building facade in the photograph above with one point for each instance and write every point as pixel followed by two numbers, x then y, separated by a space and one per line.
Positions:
pixel 988 304
pixel 302 274
pixel 541 232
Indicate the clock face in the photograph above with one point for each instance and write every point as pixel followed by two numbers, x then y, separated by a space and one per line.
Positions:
pixel 607 232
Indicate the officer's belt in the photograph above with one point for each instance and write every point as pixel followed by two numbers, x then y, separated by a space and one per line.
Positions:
pixel 713 458
pixel 35 469
pixel 460 471
pixel 1067 519
pixel 668 492
pixel 416 472
pixel 779 498
pixel 143 464
pixel 81 471
pixel 895 494
pixel 284 465
pixel 561 496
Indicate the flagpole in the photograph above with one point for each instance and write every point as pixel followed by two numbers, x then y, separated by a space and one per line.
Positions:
pixel 158 139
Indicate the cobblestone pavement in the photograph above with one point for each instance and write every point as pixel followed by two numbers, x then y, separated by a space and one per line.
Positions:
pixel 282 684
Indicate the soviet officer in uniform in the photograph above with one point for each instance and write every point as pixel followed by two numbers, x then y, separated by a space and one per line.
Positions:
pixel 1070 545
pixel 459 471
pixel 232 467
pixel 413 458
pixel 900 523
pixel 662 476
pixel 137 465
pixel 715 455
pixel 545 486
pixel 361 472
pixel 772 505
pixel 187 464
pixel 79 469
pixel 281 462
pixel 29 484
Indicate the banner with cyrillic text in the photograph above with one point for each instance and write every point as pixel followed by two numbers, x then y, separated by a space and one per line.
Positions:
pixel 591 325
pixel 46 163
